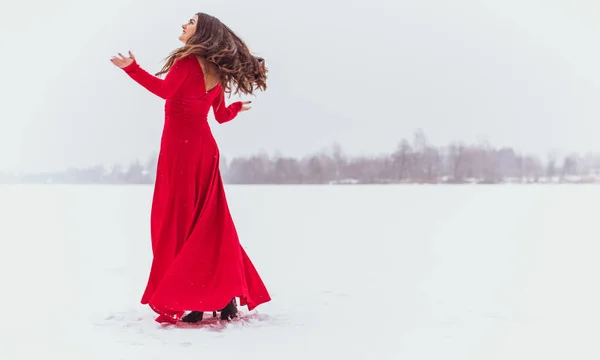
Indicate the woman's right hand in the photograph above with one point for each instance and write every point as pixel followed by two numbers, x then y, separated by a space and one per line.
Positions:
pixel 122 61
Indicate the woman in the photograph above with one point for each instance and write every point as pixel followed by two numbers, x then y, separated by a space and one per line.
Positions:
pixel 198 263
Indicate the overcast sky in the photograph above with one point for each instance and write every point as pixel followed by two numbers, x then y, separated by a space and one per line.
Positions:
pixel 521 73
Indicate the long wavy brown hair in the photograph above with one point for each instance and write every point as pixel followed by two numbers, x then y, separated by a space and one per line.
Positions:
pixel 219 45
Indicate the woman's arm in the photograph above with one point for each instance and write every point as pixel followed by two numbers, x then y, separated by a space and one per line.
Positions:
pixel 225 113
pixel 162 88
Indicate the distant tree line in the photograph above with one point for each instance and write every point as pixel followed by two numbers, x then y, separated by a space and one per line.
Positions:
pixel 135 173
pixel 415 161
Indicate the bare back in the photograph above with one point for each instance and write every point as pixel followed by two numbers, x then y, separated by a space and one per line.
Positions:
pixel 211 73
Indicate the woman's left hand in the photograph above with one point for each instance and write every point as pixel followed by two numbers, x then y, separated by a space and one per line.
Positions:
pixel 122 61
pixel 245 106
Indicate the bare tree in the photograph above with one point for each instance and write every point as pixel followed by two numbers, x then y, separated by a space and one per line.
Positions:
pixel 402 160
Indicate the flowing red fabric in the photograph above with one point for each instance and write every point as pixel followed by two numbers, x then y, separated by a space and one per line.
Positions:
pixel 198 262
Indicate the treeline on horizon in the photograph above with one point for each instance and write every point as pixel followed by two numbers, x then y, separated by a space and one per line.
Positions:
pixel 415 161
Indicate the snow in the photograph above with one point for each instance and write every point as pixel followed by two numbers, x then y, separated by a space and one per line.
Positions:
pixel 379 272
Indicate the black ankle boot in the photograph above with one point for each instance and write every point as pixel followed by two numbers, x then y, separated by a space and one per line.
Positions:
pixel 230 311
pixel 193 317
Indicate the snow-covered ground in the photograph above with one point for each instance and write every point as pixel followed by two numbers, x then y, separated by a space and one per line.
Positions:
pixel 355 272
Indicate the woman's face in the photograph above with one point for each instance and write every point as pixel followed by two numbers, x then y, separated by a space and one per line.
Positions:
pixel 189 29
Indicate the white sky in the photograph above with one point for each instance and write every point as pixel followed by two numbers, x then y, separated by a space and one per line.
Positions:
pixel 521 73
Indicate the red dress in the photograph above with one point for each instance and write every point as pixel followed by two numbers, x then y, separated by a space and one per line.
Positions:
pixel 198 262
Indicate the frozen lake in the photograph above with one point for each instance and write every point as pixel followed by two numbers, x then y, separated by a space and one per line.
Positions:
pixel 378 272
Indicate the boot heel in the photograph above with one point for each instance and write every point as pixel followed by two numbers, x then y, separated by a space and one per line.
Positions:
pixel 230 311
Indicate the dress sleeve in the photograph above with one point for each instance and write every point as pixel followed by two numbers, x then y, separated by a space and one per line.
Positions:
pixel 222 112
pixel 159 87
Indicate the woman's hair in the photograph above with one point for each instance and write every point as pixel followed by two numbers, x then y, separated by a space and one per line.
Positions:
pixel 219 45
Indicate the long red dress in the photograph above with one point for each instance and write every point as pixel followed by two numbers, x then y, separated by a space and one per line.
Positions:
pixel 198 262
